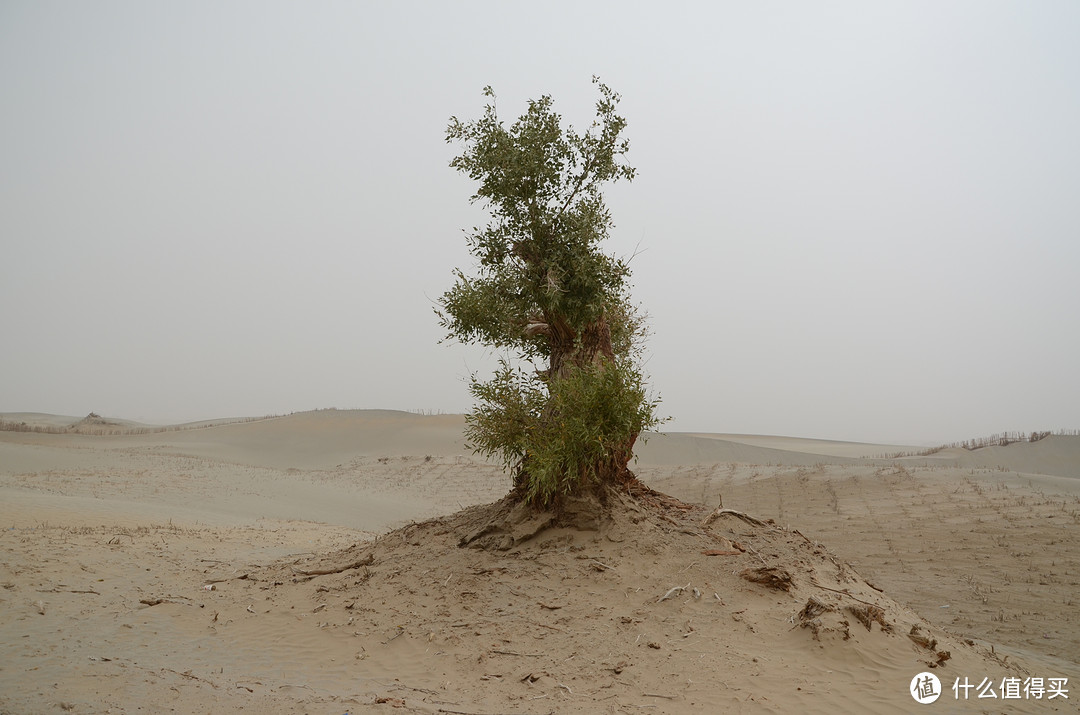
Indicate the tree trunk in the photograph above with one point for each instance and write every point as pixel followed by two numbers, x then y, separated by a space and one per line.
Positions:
pixel 569 350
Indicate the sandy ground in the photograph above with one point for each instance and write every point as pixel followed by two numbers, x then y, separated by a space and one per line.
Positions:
pixel 179 571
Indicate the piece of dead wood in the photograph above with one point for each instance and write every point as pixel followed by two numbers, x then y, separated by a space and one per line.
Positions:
pixel 550 608
pixel 658 695
pixel 366 561
pixel 672 592
pixel 544 625
pixel 167 599
pixel 721 552
pixel 67 590
pixel 771 576
pixel 754 551
pixel 188 674
pixel 402 686
pixel 720 511
pixel 515 653
pixel 244 577
pixel 842 593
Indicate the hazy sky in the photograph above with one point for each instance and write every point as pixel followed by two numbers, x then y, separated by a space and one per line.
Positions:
pixel 855 220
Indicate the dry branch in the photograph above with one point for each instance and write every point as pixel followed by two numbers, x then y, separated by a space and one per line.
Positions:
pixel 842 593
pixel 244 577
pixel 166 599
pixel 366 561
pixel 719 512
pixel 675 590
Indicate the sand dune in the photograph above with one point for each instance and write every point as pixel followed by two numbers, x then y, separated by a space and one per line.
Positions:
pixel 673 448
pixel 1055 455
pixel 825 447
pixel 978 549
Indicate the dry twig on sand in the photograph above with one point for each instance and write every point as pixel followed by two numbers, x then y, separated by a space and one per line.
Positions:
pixel 672 592
pixel 244 577
pixel 842 593
pixel 167 599
pixel 719 512
pixel 366 561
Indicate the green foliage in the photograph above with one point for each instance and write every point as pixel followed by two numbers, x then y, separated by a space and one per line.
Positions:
pixel 545 291
pixel 539 255
pixel 570 434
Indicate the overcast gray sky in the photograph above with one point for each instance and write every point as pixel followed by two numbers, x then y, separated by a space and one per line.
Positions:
pixel 855 220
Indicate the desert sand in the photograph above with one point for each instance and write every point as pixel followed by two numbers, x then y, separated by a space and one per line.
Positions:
pixel 361 562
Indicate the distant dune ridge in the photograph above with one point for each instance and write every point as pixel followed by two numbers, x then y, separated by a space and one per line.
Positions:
pixel 324 562
pixel 322 438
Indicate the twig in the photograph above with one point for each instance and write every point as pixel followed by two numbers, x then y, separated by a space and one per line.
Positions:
pixel 402 686
pixel 544 625
pixel 754 551
pixel 158 601
pixel 467 712
pixel 732 512
pixel 510 652
pixel 658 695
pixel 672 592
pixel 599 563
pixel 189 676
pixel 366 561
pixel 842 593
pixel 230 578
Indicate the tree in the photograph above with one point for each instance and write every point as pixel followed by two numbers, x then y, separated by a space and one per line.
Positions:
pixel 568 402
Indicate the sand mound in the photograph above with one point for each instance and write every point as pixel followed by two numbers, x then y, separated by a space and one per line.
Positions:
pixel 648 603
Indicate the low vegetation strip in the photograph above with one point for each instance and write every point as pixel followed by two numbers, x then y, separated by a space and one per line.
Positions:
pixel 1001 439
